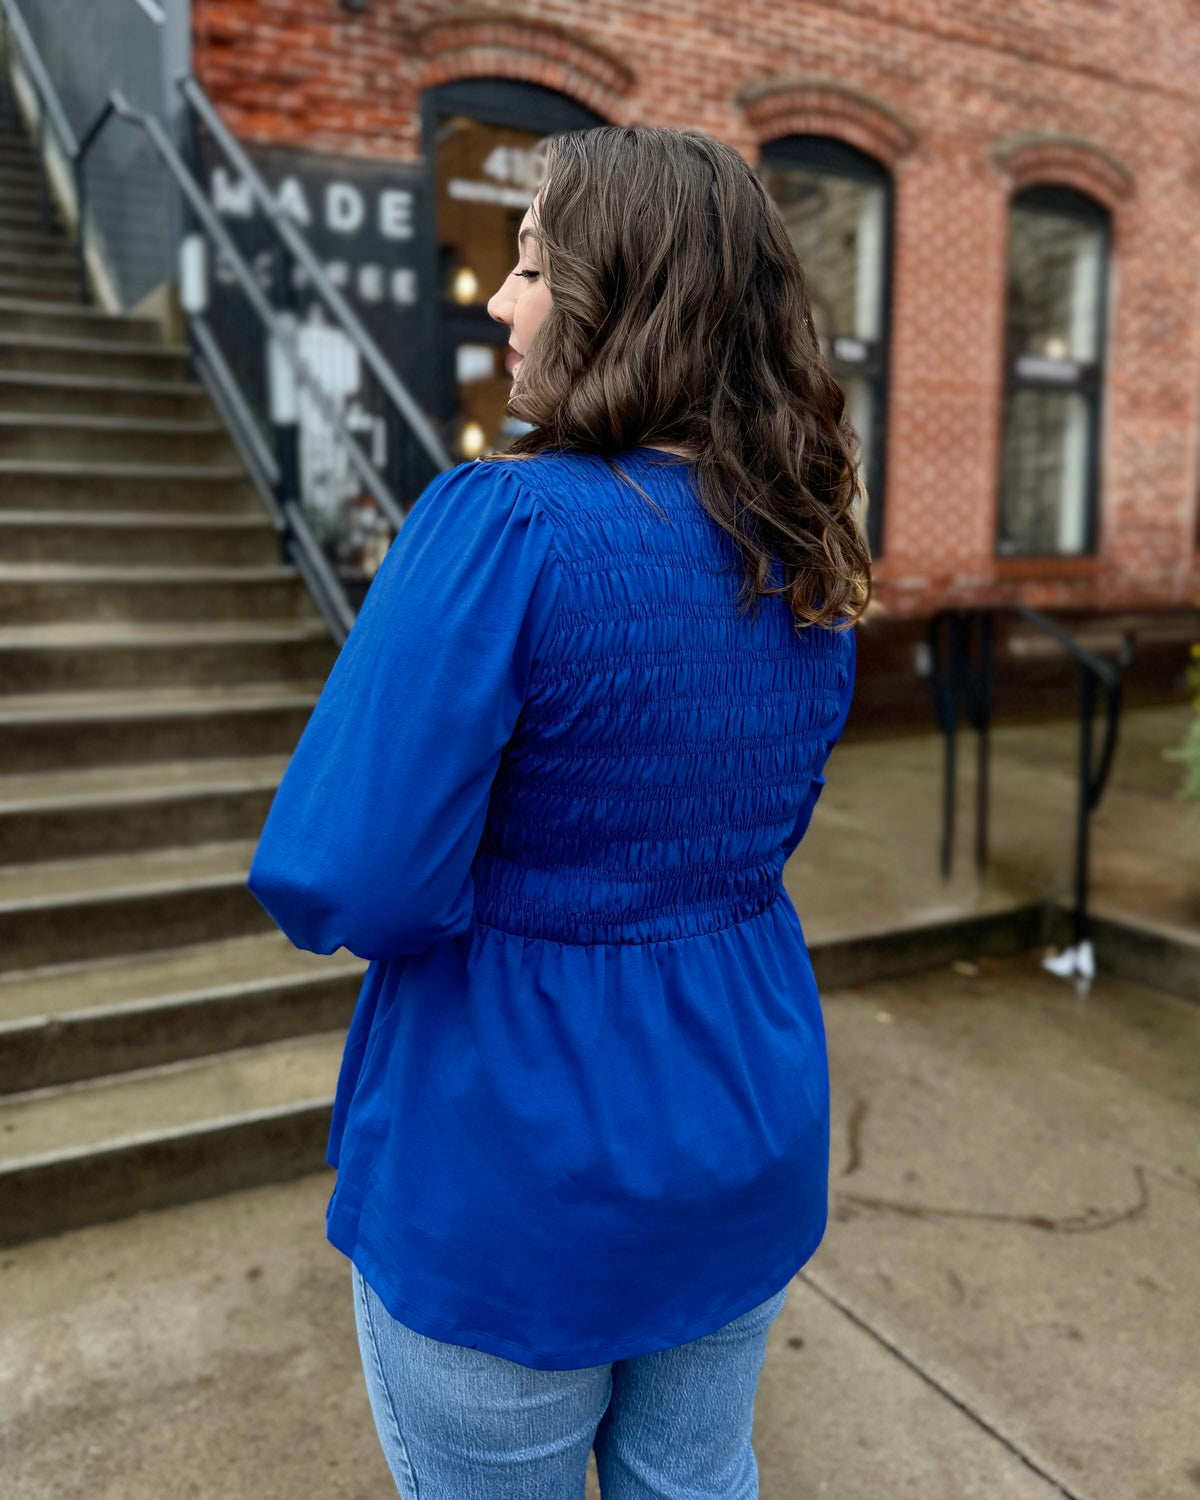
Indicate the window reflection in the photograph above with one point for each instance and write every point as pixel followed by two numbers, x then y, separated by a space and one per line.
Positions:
pixel 1055 302
pixel 487 176
pixel 1045 470
pixel 835 204
pixel 1054 285
pixel 836 226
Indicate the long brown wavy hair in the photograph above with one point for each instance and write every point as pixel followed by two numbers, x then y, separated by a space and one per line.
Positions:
pixel 681 318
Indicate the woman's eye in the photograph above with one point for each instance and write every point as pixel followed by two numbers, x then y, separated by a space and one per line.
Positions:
pixel 527 275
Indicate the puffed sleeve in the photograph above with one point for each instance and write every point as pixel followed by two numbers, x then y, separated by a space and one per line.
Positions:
pixel 370 837
pixel 830 738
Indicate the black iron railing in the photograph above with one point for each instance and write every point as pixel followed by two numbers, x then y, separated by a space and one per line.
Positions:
pixel 961 643
pixel 312 453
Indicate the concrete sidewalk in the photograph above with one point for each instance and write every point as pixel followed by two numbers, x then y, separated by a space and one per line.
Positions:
pixel 1007 1302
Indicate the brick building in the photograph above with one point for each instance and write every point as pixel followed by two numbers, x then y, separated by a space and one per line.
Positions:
pixel 998 205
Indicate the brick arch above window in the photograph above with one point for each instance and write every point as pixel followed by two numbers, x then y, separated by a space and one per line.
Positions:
pixel 813 105
pixel 1048 157
pixel 488 44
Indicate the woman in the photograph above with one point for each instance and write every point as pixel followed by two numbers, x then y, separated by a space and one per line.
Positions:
pixel 582 1120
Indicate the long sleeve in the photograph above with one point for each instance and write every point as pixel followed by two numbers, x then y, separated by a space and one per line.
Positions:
pixel 370 838
pixel 831 737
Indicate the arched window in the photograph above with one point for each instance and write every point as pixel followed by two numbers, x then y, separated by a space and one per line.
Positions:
pixel 1054 374
pixel 837 204
pixel 481 136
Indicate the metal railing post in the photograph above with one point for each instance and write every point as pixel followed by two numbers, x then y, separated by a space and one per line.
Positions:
pixel 43 174
pixel 189 152
pixel 943 687
pixel 978 684
pixel 284 393
pixel 85 289
pixel 1087 714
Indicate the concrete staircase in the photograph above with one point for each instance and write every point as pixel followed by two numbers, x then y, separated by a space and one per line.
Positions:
pixel 159 1039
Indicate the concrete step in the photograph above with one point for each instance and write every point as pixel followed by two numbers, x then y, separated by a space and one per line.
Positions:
pixel 16 146
pixel 22 213
pixel 217 489
pixel 34 593
pixel 17 172
pixel 142 537
pixel 91 1152
pixel 32 237
pixel 75 438
pixel 72 1022
pixel 57 284
pixel 20 192
pixel 92 396
pixel 66 321
pixel 18 168
pixel 68 1022
pixel 58 262
pixel 21 208
pixel 105 654
pixel 42 354
pixel 114 809
pixel 49 731
pixel 106 906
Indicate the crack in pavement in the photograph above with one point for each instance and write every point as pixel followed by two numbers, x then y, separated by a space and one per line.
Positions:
pixel 943 1390
pixel 1085 1223
pixel 854 1128
pixel 1090 1220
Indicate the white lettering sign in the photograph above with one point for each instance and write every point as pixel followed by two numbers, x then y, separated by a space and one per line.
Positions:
pixel 370 283
pixel 290 197
pixel 344 207
pixel 511 164
pixel 230 197
pixel 1033 367
pixel 468 191
pixel 396 214
pixel 363 215
pixel 404 287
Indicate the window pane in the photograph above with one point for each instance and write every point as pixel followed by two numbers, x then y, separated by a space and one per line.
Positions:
pixel 1043 504
pixel 837 222
pixel 861 403
pixel 1054 280
pixel 860 406
pixel 836 225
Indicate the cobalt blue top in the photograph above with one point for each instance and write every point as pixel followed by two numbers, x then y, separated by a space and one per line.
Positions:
pixel 548 790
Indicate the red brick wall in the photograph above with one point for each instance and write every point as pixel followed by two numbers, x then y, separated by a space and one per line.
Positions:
pixel 965 99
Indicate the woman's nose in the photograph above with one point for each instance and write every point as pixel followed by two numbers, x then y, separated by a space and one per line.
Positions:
pixel 500 308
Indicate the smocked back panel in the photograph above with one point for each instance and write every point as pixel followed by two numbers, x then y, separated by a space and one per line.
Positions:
pixel 667 741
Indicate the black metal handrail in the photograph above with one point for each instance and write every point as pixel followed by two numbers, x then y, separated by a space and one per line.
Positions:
pixel 967 675
pixel 274 470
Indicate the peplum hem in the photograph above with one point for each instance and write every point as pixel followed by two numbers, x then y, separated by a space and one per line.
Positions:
pixel 373 1268
pixel 588 1151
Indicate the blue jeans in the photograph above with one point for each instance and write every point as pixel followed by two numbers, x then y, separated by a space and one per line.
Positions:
pixel 460 1424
